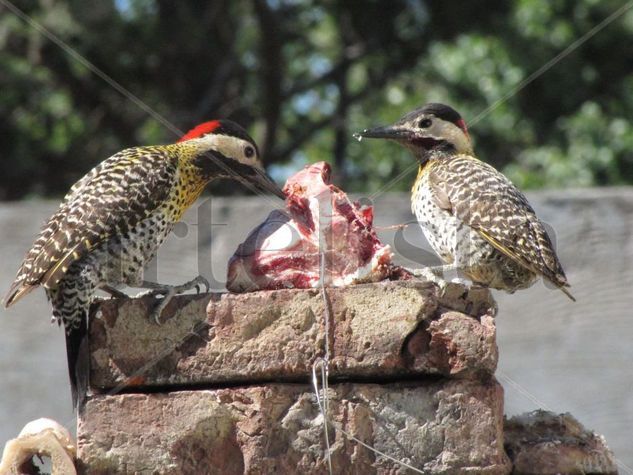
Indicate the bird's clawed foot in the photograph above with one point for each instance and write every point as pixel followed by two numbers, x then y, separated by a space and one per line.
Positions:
pixel 169 291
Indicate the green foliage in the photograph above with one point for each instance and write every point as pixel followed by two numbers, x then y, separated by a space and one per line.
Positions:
pixel 304 75
pixel 596 149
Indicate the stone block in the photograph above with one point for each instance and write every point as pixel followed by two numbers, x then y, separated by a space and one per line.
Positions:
pixel 388 330
pixel 545 443
pixel 441 426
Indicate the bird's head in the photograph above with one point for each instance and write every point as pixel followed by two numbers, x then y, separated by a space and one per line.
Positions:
pixel 433 127
pixel 223 149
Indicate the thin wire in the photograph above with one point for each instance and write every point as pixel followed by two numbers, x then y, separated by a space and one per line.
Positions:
pixel 541 405
pixel 531 78
pixel 367 446
pixel 325 362
pixel 383 189
pixel 139 103
pixel 321 403
pixel 195 331
pixel 322 365
pixel 555 60
pixel 121 90
pixel 319 363
pixel 523 391
pixel 90 66
pixel 624 466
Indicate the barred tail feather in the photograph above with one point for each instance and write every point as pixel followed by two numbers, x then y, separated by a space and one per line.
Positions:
pixel 71 303
pixel 564 289
pixel 18 290
pixel 77 354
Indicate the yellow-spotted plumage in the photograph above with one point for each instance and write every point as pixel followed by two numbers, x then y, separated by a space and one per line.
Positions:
pixel 113 220
pixel 473 217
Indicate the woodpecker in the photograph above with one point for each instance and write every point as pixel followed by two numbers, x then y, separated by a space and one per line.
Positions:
pixel 113 220
pixel 473 217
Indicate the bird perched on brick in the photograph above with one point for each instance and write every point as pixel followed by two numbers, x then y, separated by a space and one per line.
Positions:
pixel 113 220
pixel 474 218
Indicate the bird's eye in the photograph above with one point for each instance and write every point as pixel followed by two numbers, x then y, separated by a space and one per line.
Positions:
pixel 249 151
pixel 425 123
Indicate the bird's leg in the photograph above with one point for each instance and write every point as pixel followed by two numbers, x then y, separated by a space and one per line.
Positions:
pixel 441 270
pixel 459 269
pixel 114 293
pixel 169 291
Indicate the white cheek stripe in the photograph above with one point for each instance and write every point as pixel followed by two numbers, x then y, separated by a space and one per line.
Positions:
pixel 231 147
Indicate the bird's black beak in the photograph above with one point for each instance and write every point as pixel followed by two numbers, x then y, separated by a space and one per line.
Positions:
pixel 392 132
pixel 265 183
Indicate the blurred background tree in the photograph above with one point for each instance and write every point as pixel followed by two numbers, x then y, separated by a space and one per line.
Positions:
pixel 303 75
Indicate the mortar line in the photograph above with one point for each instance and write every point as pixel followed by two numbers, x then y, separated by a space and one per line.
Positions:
pixel 147 366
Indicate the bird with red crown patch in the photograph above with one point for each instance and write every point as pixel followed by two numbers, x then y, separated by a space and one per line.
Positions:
pixel 113 220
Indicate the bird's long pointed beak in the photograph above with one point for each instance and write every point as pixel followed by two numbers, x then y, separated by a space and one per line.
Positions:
pixel 384 132
pixel 265 183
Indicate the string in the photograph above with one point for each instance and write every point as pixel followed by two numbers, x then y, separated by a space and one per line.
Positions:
pixel 322 365
pixel 321 402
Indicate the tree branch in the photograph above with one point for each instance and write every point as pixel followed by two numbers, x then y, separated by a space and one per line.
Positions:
pixel 272 69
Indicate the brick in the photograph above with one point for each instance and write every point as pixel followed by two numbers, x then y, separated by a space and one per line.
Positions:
pixel 442 426
pixel 378 331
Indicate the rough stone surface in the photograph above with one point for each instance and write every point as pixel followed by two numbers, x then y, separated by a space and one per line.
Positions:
pixel 381 331
pixel 547 345
pixel 447 426
pixel 545 443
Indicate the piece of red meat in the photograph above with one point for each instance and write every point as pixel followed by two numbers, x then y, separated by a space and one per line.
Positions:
pixel 320 221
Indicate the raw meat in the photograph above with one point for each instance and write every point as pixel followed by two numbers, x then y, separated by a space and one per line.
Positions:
pixel 320 222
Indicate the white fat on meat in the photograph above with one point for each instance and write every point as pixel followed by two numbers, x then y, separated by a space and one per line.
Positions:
pixel 319 222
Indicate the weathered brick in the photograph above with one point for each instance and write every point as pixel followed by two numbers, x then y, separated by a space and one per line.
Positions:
pixel 443 426
pixel 377 331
